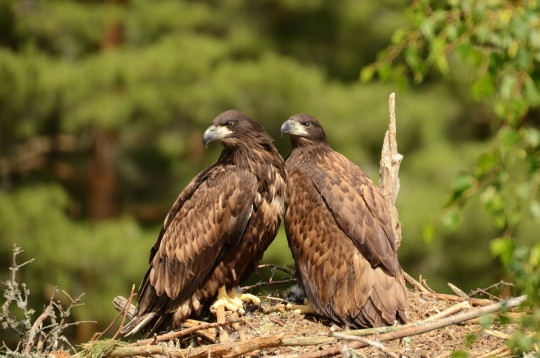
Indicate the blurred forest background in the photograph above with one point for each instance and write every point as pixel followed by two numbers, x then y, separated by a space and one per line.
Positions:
pixel 103 105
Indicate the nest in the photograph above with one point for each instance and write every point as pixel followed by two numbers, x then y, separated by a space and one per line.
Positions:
pixel 440 325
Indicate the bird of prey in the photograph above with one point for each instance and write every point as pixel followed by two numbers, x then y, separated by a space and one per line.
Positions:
pixel 218 228
pixel 339 230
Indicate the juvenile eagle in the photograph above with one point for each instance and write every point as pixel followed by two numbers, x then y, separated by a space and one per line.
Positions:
pixel 218 228
pixel 339 230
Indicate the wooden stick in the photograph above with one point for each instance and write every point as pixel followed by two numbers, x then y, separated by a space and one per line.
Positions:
pixel 458 291
pixel 389 170
pixel 237 328
pixel 497 334
pixel 495 353
pixel 210 334
pixel 261 284
pixel 414 283
pixel 184 332
pixel 276 267
pixel 415 330
pixel 220 317
pixel 450 310
pixel 146 350
pixel 123 313
pixel 233 349
pixel 369 342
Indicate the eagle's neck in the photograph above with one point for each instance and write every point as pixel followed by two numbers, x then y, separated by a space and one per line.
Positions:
pixel 251 156
pixel 309 152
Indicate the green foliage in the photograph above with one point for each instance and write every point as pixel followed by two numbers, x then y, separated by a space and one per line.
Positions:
pixel 78 258
pixel 500 40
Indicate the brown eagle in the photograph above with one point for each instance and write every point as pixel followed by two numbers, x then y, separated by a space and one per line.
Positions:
pixel 218 228
pixel 339 230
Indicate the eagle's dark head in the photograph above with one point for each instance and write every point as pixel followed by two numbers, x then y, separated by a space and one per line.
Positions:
pixel 304 129
pixel 234 128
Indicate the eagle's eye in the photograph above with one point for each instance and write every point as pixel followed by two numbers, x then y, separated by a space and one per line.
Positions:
pixel 307 124
pixel 229 124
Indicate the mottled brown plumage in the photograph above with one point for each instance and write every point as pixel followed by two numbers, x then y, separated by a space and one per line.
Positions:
pixel 218 228
pixel 339 230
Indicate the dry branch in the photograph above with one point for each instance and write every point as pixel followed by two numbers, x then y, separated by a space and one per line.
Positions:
pixel 422 328
pixel 369 342
pixel 185 332
pixel 389 170
pixel 233 349
pixel 49 311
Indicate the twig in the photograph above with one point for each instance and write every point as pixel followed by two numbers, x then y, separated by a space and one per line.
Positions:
pixel 123 311
pixel 234 349
pixel 457 291
pixel 413 282
pixel 494 353
pixel 389 169
pixel 126 307
pixel 422 328
pixel 380 330
pixel 184 332
pixel 220 317
pixel 276 267
pixel 237 328
pixel 369 342
pixel 450 310
pixel 48 312
pixel 261 284
pixel 485 290
pixel 229 349
pixel 497 334
pixel 424 282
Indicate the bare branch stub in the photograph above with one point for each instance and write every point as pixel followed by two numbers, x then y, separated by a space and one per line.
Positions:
pixel 389 169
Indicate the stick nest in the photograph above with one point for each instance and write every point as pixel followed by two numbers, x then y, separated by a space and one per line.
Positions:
pixel 439 325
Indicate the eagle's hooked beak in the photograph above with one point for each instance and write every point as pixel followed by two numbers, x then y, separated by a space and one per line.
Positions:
pixel 215 133
pixel 293 127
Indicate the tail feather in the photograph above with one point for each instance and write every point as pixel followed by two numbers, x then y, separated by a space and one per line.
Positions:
pixel 137 324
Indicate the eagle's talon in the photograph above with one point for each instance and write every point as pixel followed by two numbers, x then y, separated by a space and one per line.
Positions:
pixel 306 308
pixel 233 301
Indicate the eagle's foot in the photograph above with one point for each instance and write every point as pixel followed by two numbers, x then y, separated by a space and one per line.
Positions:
pixel 232 300
pixel 306 308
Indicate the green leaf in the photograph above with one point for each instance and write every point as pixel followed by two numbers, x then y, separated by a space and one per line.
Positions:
pixel 509 137
pixel 534 210
pixel 428 232
pixel 507 86
pixel 532 137
pixel 462 182
pixel 385 72
pixel 398 36
pixel 503 248
pixel 486 162
pixel 367 73
pixel 451 219
pixel 483 87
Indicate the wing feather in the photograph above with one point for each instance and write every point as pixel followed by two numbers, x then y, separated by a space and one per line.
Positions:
pixel 332 232
pixel 207 219
pixel 357 206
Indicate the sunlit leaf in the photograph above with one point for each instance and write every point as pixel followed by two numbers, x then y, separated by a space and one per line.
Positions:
pixel 502 247
pixel 367 73
pixel 451 220
pixel 534 209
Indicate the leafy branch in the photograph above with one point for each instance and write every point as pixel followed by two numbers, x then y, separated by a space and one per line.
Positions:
pixel 500 40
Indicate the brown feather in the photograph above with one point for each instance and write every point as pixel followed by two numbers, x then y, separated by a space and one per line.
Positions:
pixel 337 223
pixel 217 229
